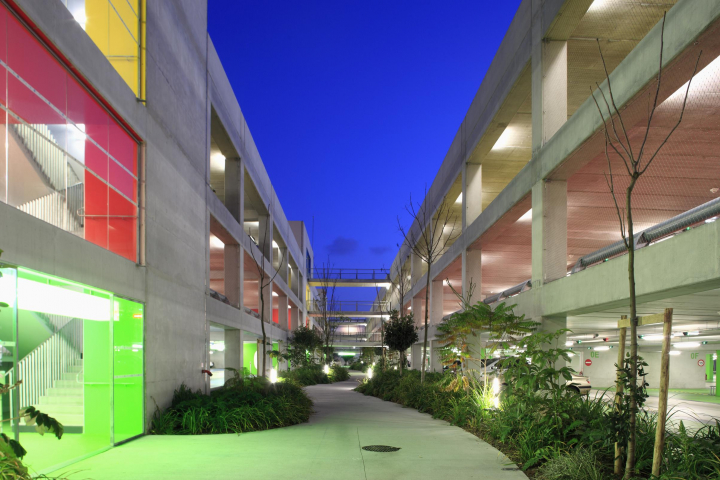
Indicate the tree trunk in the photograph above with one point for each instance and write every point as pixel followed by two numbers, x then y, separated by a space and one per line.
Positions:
pixel 262 324
pixel 427 314
pixel 401 360
pixel 630 464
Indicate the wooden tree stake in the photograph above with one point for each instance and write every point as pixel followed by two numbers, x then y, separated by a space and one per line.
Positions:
pixel 663 396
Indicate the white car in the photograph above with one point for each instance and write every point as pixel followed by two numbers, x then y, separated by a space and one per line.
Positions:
pixel 579 384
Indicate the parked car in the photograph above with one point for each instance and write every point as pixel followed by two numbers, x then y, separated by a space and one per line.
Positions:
pixel 579 384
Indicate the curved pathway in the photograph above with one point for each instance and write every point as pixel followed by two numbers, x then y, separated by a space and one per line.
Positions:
pixel 327 447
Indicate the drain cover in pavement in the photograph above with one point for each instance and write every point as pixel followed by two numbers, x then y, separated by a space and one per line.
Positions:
pixel 380 448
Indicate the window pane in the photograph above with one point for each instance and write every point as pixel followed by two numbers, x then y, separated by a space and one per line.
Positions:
pixel 32 61
pixel 96 210
pixel 122 222
pixel 123 181
pixel 123 148
pixel 84 111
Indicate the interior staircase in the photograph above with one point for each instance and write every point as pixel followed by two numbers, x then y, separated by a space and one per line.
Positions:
pixel 64 400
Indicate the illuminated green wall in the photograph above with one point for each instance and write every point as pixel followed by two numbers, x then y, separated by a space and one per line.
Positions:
pixel 128 367
pixel 249 351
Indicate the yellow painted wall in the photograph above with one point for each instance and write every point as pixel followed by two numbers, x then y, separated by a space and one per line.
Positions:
pixel 115 27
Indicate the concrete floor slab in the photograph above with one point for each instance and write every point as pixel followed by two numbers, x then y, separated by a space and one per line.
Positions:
pixel 327 447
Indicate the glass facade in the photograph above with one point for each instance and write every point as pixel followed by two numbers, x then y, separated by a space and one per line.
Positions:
pixel 79 353
pixel 66 160
pixel 116 28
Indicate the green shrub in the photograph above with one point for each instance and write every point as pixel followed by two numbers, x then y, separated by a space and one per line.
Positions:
pixel 358 366
pixel 567 436
pixel 305 376
pixel 254 404
pixel 339 374
pixel 579 464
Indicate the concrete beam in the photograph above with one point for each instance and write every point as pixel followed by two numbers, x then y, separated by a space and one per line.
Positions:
pixel 549 231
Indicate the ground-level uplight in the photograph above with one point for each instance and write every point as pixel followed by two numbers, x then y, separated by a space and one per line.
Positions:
pixel 369 373
pixel 273 375
pixel 326 369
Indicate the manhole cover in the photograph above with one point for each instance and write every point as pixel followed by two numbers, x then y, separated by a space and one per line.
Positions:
pixel 380 448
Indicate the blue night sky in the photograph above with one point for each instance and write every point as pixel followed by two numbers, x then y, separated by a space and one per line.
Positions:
pixel 353 105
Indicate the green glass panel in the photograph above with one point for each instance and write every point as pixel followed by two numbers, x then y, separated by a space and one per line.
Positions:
pixel 128 369
pixel 249 351
pixel 275 346
pixel 8 350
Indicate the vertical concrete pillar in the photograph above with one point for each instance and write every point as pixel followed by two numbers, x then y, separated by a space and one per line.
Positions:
pixel 416 305
pixel 416 356
pixel 553 324
pixel 266 293
pixel 549 82
pixel 436 301
pixel 471 193
pixel 233 273
pixel 284 265
pixel 294 318
pixel 265 237
pixel 472 273
pixel 233 350
pixel 416 268
pixel 235 188
pixel 283 311
pixel 435 363
pixel 549 231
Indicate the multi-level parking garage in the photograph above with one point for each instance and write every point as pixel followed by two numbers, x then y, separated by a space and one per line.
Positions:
pixel 526 177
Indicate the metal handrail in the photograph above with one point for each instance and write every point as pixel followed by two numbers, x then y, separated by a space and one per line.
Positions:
pixel 352 306
pixel 351 273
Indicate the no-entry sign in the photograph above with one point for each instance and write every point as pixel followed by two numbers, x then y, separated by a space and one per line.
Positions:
pixel 588 362
pixel 701 363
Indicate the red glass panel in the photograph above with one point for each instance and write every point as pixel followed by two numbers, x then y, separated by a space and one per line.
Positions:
pixel 123 233
pixel 96 160
pixel 123 181
pixel 29 106
pixel 3 33
pixel 83 110
pixel 3 52
pixel 96 210
pixel 276 317
pixel 34 63
pixel 123 148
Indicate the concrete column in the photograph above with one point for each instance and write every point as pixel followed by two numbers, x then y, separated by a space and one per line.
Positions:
pixel 549 82
pixel 283 311
pixel 471 193
pixel 233 274
pixel 435 364
pixel 284 265
pixel 416 268
pixel 416 356
pixel 265 237
pixel 416 309
pixel 549 231
pixel 553 324
pixel 233 349
pixel 294 318
pixel 436 302
pixel 235 188
pixel 266 294
pixel 472 273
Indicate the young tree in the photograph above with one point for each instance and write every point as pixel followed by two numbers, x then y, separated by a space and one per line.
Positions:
pixel 301 345
pixel 384 303
pixel 635 161
pixel 326 305
pixel 265 280
pixel 436 231
pixel 401 334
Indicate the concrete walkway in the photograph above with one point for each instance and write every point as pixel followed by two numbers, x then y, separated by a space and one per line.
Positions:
pixel 327 447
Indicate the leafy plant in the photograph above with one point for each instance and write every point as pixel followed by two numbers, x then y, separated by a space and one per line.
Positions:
pixel 400 334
